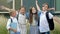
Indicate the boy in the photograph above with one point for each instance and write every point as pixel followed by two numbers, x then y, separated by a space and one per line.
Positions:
pixel 12 24
pixel 43 23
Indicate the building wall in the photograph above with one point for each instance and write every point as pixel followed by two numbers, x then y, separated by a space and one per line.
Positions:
pixel 29 3
pixel 57 5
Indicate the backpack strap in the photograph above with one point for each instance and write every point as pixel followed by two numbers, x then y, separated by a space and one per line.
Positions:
pixel 47 15
pixel 11 20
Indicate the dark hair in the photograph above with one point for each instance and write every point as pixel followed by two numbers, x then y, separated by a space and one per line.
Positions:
pixel 31 15
pixel 45 4
pixel 22 7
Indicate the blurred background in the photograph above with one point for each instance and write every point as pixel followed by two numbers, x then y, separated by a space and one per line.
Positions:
pixel 16 4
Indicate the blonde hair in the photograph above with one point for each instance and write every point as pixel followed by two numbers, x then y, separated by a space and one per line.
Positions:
pixel 11 11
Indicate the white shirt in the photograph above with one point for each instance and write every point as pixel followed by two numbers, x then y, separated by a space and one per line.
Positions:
pixel 34 23
pixel 44 27
pixel 22 19
pixel 15 21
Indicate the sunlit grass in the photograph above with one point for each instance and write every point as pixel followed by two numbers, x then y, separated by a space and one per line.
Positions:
pixel 3 30
pixel 3 21
pixel 57 29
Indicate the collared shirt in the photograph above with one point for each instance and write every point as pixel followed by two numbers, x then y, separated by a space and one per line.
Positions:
pixel 44 27
pixel 15 21
pixel 22 19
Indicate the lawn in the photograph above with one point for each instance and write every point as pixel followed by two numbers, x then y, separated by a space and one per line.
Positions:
pixel 3 30
pixel 3 21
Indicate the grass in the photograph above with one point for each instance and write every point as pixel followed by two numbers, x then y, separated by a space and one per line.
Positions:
pixel 57 29
pixel 3 30
pixel 3 21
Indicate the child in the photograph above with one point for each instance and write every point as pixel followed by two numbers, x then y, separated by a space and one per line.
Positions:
pixel 12 24
pixel 43 22
pixel 33 19
pixel 22 20
pixel 21 16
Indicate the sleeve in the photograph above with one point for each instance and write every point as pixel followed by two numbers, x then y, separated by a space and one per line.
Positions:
pixel 8 24
pixel 17 12
pixel 27 15
pixel 19 18
pixel 50 16
pixel 39 12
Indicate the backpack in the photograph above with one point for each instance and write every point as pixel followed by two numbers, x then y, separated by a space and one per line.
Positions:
pixel 50 21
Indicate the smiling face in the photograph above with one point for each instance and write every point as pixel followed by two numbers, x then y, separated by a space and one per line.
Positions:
pixel 33 10
pixel 13 13
pixel 22 10
pixel 45 7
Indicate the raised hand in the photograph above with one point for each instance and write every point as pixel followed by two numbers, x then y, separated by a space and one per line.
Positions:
pixel 36 1
pixel 2 7
pixel 38 8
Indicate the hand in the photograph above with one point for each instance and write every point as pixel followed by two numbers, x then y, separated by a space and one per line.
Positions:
pixel 14 30
pixel 2 7
pixel 36 1
pixel 53 8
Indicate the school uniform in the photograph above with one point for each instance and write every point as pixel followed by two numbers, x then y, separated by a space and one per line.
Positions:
pixel 22 23
pixel 43 24
pixel 13 23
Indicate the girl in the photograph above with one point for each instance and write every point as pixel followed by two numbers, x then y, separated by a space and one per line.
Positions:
pixel 33 21
pixel 22 20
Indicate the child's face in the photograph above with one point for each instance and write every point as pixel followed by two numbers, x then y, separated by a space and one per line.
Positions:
pixel 33 10
pixel 22 10
pixel 14 14
pixel 44 8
